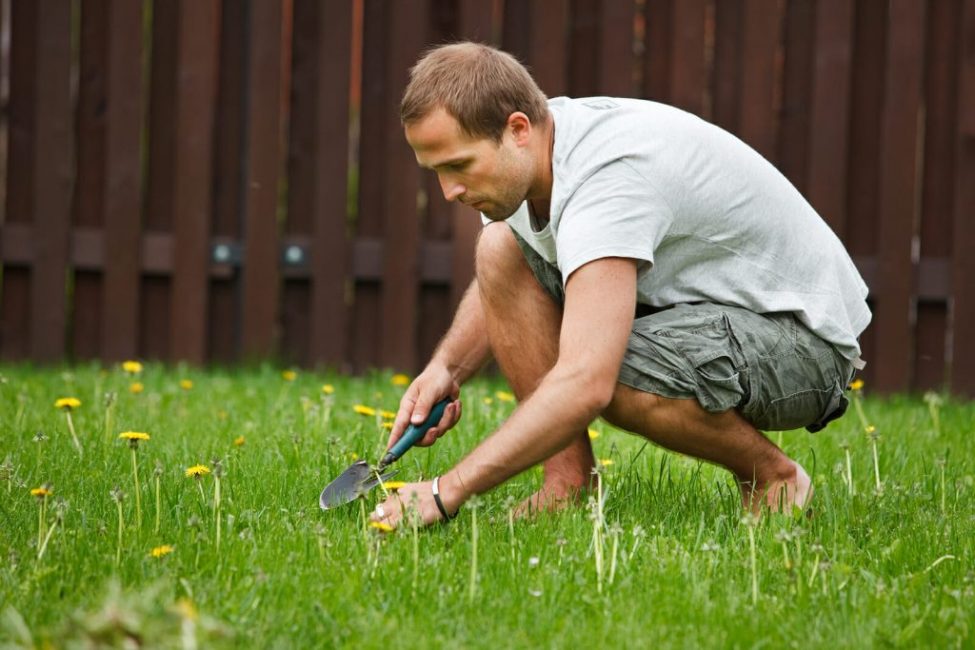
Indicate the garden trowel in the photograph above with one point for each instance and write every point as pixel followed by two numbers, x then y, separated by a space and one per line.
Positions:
pixel 359 478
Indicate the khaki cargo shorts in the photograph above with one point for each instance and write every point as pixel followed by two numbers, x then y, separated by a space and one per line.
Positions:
pixel 770 367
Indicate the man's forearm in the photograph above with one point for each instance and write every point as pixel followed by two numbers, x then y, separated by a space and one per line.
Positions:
pixel 464 349
pixel 540 427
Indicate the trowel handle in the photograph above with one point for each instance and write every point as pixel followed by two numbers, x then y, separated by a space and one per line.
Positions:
pixel 414 433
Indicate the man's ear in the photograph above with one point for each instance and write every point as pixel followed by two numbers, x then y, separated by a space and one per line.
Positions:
pixel 520 128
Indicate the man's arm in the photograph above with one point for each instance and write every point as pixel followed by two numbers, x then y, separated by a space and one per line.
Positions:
pixel 463 350
pixel 596 324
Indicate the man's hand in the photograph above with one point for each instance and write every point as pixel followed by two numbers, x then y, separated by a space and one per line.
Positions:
pixel 394 511
pixel 433 384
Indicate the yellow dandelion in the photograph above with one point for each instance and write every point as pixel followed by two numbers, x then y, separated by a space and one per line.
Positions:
pixel 394 485
pixel 132 367
pixel 388 425
pixel 353 455
pixel 401 380
pixel 328 389
pixel 857 385
pixel 606 462
pixel 870 428
pixel 239 441
pixel 289 375
pixel 504 396
pixel 488 401
pixel 197 471
pixel 67 403
pixel 161 551
pixel 136 387
pixel 362 409
pixel 388 415
pixel 186 384
pixel 381 526
pixel 593 434
pixel 42 492
pixel 133 435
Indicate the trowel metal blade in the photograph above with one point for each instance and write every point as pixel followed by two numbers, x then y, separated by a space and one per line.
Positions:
pixel 355 481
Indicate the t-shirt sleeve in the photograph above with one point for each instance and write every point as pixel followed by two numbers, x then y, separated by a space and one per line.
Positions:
pixel 613 213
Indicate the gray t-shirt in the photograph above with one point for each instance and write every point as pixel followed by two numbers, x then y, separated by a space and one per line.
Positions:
pixel 708 217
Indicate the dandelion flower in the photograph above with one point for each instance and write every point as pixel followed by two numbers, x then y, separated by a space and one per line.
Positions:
pixel 389 415
pixel 132 367
pixel 381 526
pixel 870 428
pixel 136 387
pixel 239 441
pixel 289 375
pixel 197 471
pixel 504 396
pixel 857 385
pixel 362 409
pixel 593 434
pixel 186 384
pixel 328 389
pixel 41 492
pixel 133 437
pixel 606 462
pixel 400 380
pixel 67 403
pixel 394 485
pixel 161 551
pixel 488 401
pixel 388 425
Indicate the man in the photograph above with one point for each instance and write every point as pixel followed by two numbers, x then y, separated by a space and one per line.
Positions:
pixel 638 264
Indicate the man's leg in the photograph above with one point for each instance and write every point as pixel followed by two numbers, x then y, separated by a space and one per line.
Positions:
pixel 523 323
pixel 765 475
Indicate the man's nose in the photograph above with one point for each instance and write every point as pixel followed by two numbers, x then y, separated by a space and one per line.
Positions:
pixel 451 190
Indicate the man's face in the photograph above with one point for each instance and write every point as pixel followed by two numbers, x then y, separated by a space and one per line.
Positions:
pixel 489 177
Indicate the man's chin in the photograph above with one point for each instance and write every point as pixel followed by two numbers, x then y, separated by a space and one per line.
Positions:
pixel 498 213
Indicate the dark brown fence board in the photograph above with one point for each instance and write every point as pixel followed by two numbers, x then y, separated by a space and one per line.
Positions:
pixel 122 163
pixel 535 32
pixel 372 132
pixel 223 321
pixel 829 121
pixel 15 326
pixel 398 326
pixel 51 176
pixel 657 49
pixel 963 267
pixel 758 116
pixel 899 194
pixel 260 180
pixel 793 144
pixel 688 74
pixel 584 56
pixel 937 189
pixel 195 90
pixel 726 65
pixel 616 61
pixel 330 123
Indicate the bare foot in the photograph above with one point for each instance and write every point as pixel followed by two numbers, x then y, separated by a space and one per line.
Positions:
pixel 783 495
pixel 550 498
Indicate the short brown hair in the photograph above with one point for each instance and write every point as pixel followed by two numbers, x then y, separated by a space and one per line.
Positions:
pixel 478 85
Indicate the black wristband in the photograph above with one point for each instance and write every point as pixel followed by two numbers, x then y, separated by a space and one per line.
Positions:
pixel 436 498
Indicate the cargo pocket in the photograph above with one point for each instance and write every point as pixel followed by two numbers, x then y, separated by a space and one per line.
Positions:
pixel 816 406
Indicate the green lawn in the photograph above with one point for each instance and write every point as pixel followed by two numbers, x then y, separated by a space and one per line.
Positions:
pixel 668 564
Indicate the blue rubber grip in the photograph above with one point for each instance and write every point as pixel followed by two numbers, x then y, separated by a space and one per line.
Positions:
pixel 414 433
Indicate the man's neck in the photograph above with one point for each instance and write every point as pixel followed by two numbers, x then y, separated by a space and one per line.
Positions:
pixel 540 193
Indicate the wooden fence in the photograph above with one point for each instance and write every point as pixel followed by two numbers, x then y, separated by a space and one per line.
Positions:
pixel 221 181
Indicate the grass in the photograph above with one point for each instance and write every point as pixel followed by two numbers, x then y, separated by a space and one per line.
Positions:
pixel 679 566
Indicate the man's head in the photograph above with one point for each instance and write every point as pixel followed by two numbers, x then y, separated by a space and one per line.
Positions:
pixel 475 116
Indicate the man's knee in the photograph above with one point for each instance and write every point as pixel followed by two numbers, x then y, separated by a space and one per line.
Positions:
pixel 497 255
